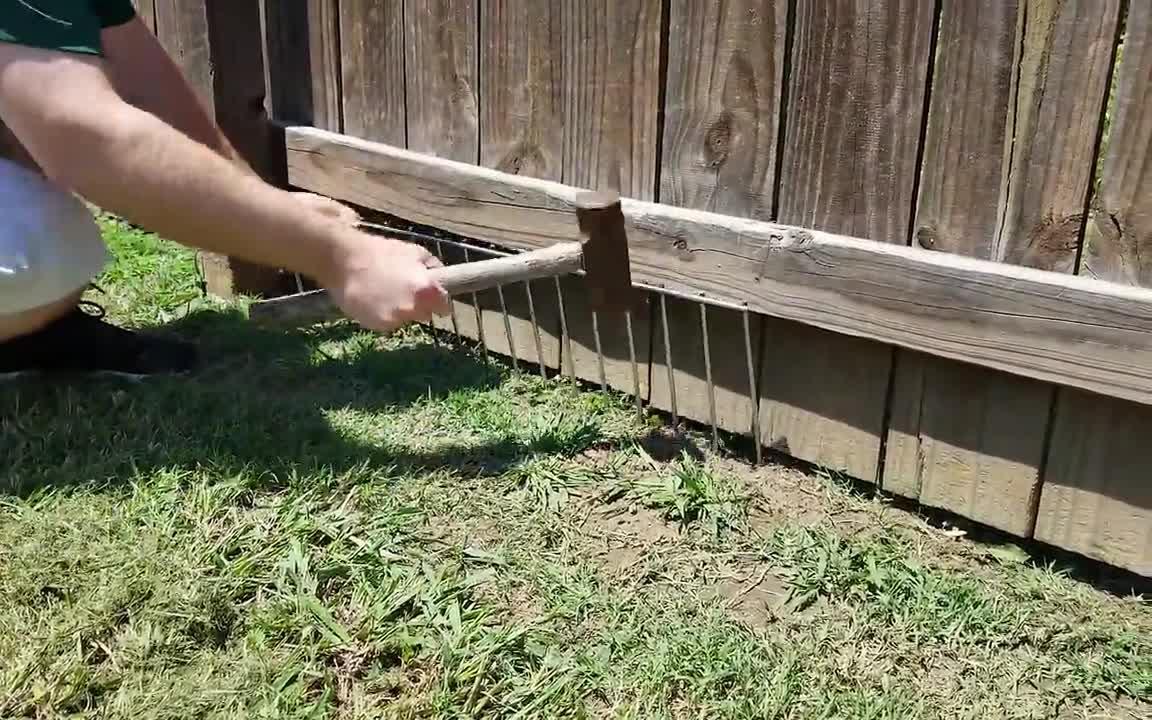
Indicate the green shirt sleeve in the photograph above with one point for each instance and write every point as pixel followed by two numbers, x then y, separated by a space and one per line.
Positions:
pixel 66 25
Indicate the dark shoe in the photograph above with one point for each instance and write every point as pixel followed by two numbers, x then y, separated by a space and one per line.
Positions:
pixel 84 343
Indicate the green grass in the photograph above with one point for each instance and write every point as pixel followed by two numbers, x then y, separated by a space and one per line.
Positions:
pixel 325 524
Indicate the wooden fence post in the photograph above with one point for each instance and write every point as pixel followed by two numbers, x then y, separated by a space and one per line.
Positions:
pixel 219 46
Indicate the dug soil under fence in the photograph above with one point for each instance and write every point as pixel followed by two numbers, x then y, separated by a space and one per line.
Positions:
pixel 327 524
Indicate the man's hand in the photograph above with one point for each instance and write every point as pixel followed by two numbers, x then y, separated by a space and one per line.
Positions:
pixel 329 208
pixel 384 283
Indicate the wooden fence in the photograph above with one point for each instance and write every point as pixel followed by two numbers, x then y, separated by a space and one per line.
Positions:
pixel 1008 131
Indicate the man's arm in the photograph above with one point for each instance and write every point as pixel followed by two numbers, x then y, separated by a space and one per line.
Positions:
pixel 65 111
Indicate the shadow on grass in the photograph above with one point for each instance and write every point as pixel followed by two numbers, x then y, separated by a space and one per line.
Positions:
pixel 260 406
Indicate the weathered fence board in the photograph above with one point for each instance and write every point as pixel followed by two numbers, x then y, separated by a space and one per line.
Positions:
pixel 325 57
pixel 521 83
pixel 857 92
pixel 1002 93
pixel 959 209
pixel 1097 498
pixel 609 51
pixel 303 58
pixel 372 70
pixel 722 121
pixel 146 9
pixel 964 438
pixel 200 36
pixel 722 106
pixel 440 39
pixel 785 141
pixel 182 28
pixel 522 133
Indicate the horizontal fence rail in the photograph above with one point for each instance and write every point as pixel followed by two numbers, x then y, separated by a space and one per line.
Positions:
pixel 1076 331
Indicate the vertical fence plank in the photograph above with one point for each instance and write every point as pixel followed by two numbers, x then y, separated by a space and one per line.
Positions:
pixel 441 103
pixel 441 74
pixel 182 28
pixel 1096 499
pixel 722 105
pixel 219 48
pixel 1011 100
pixel 849 165
pixel 324 54
pixel 962 437
pixel 372 70
pixel 521 132
pixel 722 110
pixel 146 9
pixel 610 56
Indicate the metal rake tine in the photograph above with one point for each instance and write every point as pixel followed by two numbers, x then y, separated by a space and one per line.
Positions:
pixel 708 375
pixel 564 332
pixel 535 328
pixel 668 360
pixel 508 328
pixel 452 306
pixel 599 350
pixel 753 387
pixel 479 312
pixel 635 366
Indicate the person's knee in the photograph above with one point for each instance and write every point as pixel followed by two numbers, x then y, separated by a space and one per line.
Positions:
pixel 50 250
pixel 26 322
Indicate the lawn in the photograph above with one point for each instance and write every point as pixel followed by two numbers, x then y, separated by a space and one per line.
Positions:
pixel 325 524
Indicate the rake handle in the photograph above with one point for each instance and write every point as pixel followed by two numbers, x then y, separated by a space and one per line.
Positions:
pixel 317 306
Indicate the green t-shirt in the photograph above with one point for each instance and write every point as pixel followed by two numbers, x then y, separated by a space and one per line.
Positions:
pixel 66 25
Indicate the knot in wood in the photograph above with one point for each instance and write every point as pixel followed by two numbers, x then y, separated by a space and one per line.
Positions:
pixel 926 237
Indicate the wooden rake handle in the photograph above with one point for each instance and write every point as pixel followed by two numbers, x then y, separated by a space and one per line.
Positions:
pixel 560 259
pixel 316 306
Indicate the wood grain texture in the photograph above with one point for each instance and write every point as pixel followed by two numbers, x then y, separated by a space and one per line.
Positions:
pixel 182 28
pixel 440 64
pixel 324 54
pixel 372 70
pixel 146 9
pixel 218 46
pixel 1075 330
pixel 1096 499
pixel 1118 245
pixel 1067 52
pixel 570 93
pixel 609 104
pixel 611 87
pixel 522 84
pixel 962 438
pixel 722 107
pixel 722 117
pixel 856 102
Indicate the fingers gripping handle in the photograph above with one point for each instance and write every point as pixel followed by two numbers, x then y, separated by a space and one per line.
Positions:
pixel 472 277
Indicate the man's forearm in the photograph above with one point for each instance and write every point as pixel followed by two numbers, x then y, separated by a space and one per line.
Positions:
pixel 137 166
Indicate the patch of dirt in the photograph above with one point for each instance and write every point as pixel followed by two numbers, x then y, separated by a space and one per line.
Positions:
pixel 756 601
pixel 666 445
pixel 633 524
